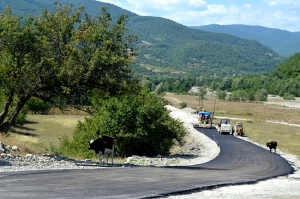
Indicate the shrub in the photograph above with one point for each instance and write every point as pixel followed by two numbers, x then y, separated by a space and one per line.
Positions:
pixel 182 105
pixel 140 124
pixel 288 96
pixel 37 105
pixel 262 95
pixel 221 95
pixel 21 118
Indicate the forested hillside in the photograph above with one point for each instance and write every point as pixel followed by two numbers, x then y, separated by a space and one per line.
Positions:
pixel 34 7
pixel 281 41
pixel 290 69
pixel 283 81
pixel 169 44
pixel 167 48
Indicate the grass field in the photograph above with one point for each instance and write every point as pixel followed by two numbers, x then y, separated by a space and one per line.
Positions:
pixel 42 132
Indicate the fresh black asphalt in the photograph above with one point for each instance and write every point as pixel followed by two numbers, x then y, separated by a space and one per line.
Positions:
pixel 239 162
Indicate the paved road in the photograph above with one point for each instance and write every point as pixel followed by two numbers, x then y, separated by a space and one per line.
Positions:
pixel 239 162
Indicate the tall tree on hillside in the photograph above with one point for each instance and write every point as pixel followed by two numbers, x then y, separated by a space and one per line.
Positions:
pixel 61 58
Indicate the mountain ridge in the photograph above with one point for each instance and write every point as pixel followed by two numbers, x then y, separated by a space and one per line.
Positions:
pixel 171 45
pixel 283 42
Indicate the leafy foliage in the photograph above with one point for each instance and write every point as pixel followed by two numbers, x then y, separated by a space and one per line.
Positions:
pixel 21 118
pixel 182 105
pixel 36 105
pixel 61 57
pixel 288 96
pixel 139 123
pixel 221 95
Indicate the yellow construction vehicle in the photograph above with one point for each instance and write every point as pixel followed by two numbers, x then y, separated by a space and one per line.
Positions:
pixel 238 129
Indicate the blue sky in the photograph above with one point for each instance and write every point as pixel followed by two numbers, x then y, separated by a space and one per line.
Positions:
pixel 281 14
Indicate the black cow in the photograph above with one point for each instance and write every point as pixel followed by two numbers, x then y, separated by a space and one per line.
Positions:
pixel 272 145
pixel 103 145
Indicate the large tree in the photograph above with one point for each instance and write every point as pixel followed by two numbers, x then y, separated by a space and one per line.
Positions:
pixel 61 57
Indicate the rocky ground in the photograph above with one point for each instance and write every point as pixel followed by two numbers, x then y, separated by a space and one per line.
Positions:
pixel 199 149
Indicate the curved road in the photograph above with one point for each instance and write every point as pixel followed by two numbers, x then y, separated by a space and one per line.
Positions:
pixel 238 162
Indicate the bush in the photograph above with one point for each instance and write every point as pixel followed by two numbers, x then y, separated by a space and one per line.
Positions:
pixel 288 96
pixel 182 105
pixel 37 105
pixel 234 96
pixel 140 124
pixel 221 95
pixel 261 95
pixel 21 118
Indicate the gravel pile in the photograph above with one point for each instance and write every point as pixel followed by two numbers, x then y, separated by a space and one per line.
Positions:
pixel 10 162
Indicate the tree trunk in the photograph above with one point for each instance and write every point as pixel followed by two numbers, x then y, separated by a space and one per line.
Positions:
pixel 4 128
pixel 6 107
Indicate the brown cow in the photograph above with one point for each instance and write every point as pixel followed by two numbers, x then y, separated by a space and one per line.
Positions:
pixel 103 145
pixel 272 145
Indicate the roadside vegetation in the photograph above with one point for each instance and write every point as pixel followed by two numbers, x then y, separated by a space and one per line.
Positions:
pixel 84 64
pixel 139 123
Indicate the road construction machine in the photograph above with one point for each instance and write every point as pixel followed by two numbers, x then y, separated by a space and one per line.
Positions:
pixel 205 119
pixel 224 126
pixel 238 129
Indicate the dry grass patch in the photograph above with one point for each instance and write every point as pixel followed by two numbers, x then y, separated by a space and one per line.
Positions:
pixel 41 133
pixel 288 137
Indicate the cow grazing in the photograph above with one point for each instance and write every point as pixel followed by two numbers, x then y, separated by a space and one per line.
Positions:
pixel 103 145
pixel 272 145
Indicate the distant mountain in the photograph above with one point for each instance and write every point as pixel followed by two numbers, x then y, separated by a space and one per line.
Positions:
pixel 281 41
pixel 169 44
pixel 34 7
pixel 169 48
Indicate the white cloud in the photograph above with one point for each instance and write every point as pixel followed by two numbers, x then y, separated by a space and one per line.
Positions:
pixel 215 10
pixel 197 3
pixel 282 14
pixel 277 3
